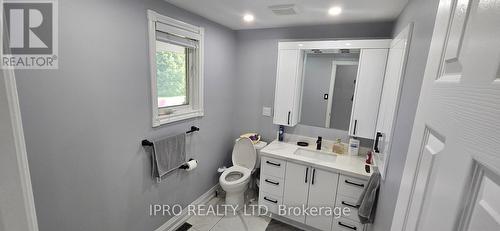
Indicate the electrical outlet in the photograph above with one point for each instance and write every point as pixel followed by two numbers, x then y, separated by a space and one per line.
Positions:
pixel 266 111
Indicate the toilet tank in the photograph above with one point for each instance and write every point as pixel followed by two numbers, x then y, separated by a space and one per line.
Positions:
pixel 258 146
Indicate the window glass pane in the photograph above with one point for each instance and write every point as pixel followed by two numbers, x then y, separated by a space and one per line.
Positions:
pixel 171 74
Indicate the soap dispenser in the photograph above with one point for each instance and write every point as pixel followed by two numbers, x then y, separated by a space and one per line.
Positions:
pixel 353 146
pixel 281 133
pixel 338 147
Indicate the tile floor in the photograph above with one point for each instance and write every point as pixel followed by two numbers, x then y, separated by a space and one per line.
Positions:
pixel 240 221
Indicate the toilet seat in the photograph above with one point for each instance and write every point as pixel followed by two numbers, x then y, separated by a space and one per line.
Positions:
pixel 244 153
pixel 235 169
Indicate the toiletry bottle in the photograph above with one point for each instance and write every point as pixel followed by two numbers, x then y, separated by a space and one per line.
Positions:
pixel 353 147
pixel 338 147
pixel 369 157
pixel 281 133
pixel 318 143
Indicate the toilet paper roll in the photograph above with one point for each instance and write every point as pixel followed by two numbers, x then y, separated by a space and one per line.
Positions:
pixel 192 164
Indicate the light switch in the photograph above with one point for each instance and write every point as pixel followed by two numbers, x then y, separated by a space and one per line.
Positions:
pixel 266 111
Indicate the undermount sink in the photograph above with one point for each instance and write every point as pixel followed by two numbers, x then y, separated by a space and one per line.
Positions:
pixel 316 155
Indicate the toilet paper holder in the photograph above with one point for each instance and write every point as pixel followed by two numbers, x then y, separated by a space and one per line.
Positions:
pixel 185 165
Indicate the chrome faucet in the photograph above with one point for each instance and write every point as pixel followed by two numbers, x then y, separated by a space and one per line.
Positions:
pixel 318 143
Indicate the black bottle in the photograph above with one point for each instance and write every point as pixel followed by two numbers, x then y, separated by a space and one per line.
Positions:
pixel 318 143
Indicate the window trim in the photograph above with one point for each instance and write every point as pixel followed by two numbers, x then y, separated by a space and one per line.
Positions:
pixel 194 108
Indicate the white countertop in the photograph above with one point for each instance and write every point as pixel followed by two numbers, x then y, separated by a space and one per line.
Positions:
pixel 345 164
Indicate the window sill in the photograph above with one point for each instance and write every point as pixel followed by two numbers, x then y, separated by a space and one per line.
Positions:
pixel 176 116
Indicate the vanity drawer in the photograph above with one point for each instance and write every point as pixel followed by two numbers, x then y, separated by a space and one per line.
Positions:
pixel 273 167
pixel 270 201
pixel 351 203
pixel 271 184
pixel 350 186
pixel 343 224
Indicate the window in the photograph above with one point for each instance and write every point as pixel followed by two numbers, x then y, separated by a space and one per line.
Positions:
pixel 171 74
pixel 176 56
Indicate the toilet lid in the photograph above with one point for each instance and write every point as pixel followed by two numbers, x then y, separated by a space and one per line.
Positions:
pixel 244 153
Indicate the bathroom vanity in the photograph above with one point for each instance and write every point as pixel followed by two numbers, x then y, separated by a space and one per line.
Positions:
pixel 296 176
pixel 341 89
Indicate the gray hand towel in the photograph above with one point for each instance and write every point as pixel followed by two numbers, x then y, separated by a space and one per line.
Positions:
pixel 368 200
pixel 168 154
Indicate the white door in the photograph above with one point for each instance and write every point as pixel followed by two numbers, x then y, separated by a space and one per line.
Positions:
pixel 330 95
pixel 322 193
pixel 389 100
pixel 451 179
pixel 17 208
pixel 369 82
pixel 296 188
pixel 288 65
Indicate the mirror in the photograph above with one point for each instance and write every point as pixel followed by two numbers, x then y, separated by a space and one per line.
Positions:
pixel 329 79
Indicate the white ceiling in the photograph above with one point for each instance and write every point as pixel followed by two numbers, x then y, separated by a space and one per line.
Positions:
pixel 310 12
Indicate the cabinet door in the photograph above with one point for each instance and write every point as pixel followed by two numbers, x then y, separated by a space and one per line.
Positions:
pixel 367 93
pixel 322 192
pixel 287 96
pixel 389 101
pixel 297 178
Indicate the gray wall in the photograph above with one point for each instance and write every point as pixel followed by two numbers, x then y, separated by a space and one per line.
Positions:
pixel 317 75
pixel 422 13
pixel 12 204
pixel 256 72
pixel 84 121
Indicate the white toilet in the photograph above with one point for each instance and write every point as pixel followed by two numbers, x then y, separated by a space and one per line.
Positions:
pixel 234 180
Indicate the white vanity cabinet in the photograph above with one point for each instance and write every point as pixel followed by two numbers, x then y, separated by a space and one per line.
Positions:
pixel 294 184
pixel 271 183
pixel 349 191
pixel 367 92
pixel 296 188
pixel 322 192
pixel 287 95
pixel 305 185
pixel 293 180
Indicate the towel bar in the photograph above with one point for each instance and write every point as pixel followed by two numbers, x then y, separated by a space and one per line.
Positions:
pixel 146 143
pixel 193 129
pixel 149 143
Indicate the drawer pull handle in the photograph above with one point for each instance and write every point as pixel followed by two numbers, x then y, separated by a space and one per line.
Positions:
pixel 349 204
pixel 314 174
pixel 349 182
pixel 271 182
pixel 348 226
pixel 355 127
pixel 272 163
pixel 307 170
pixel 272 201
pixel 377 138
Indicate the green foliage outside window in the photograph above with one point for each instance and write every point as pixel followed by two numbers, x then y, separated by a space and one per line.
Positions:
pixel 171 73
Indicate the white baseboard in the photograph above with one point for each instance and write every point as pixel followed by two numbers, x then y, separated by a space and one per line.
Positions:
pixel 177 221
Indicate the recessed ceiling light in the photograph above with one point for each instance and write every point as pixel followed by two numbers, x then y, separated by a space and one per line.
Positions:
pixel 300 44
pixel 248 18
pixel 335 10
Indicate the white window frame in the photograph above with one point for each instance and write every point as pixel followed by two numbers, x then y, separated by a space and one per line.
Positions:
pixel 158 22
